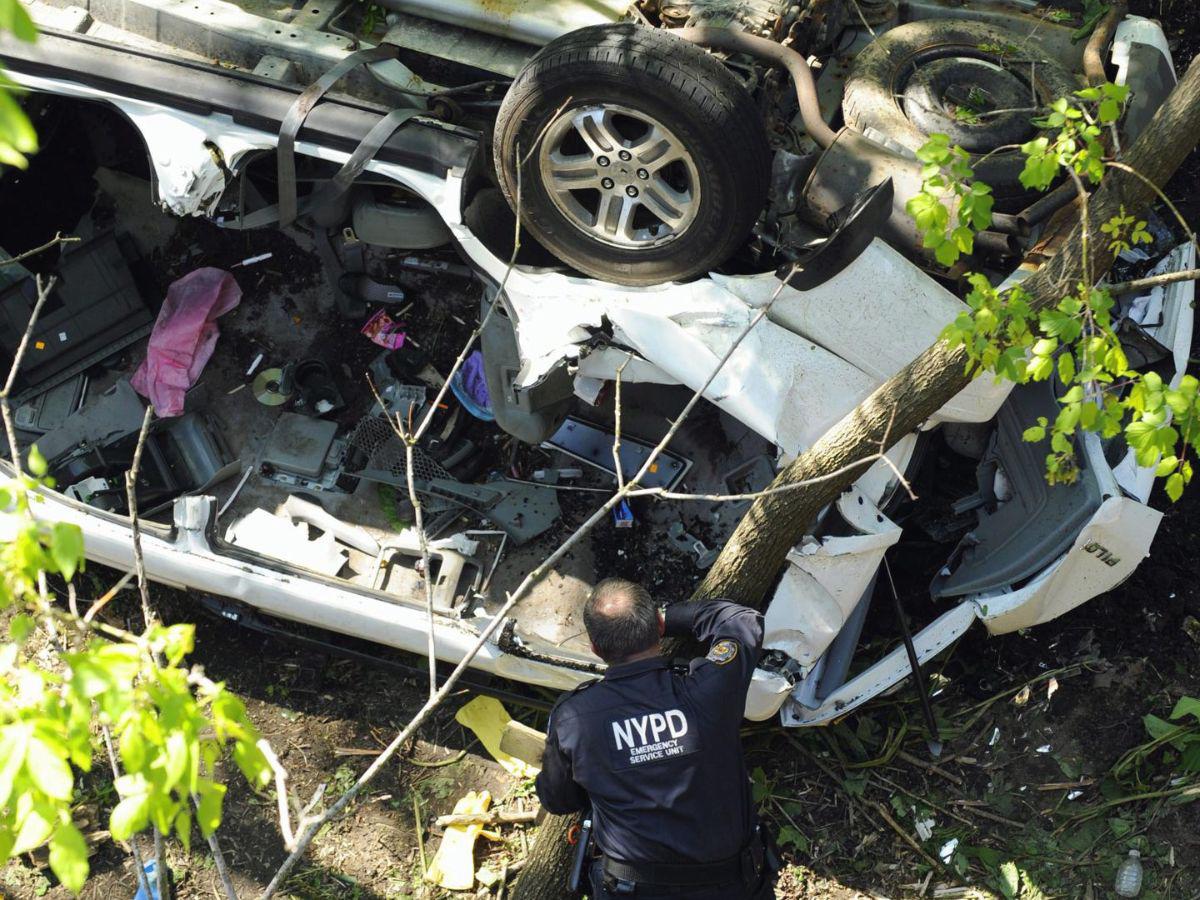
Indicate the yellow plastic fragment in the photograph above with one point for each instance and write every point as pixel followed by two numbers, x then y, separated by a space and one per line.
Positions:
pixel 453 866
pixel 486 716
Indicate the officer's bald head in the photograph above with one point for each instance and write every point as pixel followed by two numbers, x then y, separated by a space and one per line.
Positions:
pixel 621 620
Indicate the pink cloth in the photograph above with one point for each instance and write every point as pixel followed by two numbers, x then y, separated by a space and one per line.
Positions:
pixel 184 337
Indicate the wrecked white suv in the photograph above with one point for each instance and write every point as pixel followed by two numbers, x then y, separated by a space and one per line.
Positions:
pixel 672 161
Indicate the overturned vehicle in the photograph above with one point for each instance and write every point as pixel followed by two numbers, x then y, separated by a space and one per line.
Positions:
pixel 676 166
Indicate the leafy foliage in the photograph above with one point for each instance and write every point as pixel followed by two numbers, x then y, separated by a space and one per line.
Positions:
pixel 17 137
pixel 1074 341
pixel 170 724
pixel 1076 142
pixel 947 173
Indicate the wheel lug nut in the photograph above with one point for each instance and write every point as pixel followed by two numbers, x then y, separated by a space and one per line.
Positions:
pixel 643 174
pixel 624 154
pixel 631 191
pixel 606 183
pixel 602 161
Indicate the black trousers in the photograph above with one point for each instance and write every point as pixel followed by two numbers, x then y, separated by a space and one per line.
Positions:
pixel 765 890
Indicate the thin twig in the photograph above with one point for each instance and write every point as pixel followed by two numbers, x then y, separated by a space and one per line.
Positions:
pixel 281 792
pixel 57 239
pixel 142 881
pixel 108 595
pixel 139 562
pixel 10 428
pixel 616 445
pixel 160 865
pixel 214 847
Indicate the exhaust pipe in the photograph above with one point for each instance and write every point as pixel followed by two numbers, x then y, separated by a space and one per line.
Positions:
pixel 806 87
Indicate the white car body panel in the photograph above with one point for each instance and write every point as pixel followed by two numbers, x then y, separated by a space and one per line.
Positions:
pixel 1105 553
pixel 806 365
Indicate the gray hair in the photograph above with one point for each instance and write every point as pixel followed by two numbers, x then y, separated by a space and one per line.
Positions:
pixel 621 619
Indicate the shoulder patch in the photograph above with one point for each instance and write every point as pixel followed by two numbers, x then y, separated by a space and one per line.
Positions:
pixel 723 651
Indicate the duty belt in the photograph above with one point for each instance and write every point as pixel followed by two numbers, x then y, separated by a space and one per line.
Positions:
pixel 746 865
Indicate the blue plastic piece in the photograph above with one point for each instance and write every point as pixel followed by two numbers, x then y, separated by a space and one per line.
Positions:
pixel 151 871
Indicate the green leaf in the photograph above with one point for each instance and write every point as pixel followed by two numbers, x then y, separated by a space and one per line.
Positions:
pixel 1166 466
pixel 1034 434
pixel 1010 880
pixel 1066 368
pixel 1120 827
pixel 36 825
pixel 1157 728
pixel 37 462
pixel 66 548
pixel 176 758
pixel 208 811
pixel 14 744
pixel 20 628
pixel 49 771
pixel 132 747
pixel 1186 706
pixel 130 816
pixel 1174 487
pixel 183 829
pixel 69 857
pixel 14 18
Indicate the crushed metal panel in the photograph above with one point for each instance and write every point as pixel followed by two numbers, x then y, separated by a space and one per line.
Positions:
pixel 890 670
pixel 1106 552
pixel 783 386
pixel 877 315
pixel 825 580
pixel 768 691
pixel 533 21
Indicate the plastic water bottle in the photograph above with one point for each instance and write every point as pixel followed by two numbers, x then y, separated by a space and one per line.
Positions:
pixel 1129 876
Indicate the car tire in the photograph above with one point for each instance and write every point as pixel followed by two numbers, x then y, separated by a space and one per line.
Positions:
pixel 900 91
pixel 641 158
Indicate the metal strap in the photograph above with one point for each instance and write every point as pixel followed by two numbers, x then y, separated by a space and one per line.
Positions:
pixel 341 182
pixel 299 112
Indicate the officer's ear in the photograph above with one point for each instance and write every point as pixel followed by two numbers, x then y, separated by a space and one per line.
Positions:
pixel 662 623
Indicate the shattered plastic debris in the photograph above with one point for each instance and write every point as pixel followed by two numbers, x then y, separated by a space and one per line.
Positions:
pixel 184 337
pixel 1074 795
pixel 994 738
pixel 1045 748
pixel 382 330
pixel 925 828
pixel 946 853
pixel 1051 687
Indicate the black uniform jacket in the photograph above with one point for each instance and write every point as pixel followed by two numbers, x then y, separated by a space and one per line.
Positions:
pixel 656 749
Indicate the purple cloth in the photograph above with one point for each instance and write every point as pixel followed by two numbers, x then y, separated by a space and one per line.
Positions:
pixel 474 381
pixel 184 337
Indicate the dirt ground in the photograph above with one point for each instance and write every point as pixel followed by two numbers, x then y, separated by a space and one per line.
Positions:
pixel 1023 796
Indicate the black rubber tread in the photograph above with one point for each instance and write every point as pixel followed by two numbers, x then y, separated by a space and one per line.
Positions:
pixel 870 100
pixel 682 86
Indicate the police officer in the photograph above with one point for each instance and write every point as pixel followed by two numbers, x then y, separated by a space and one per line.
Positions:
pixel 657 754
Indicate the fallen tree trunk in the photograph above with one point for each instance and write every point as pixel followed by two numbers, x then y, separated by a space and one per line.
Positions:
pixel 751 559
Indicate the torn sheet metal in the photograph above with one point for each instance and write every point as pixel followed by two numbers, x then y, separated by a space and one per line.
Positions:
pixel 877 315
pixel 1105 553
pixel 783 386
pixel 768 691
pixel 606 362
pixel 281 538
pixel 890 670
pixel 824 581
